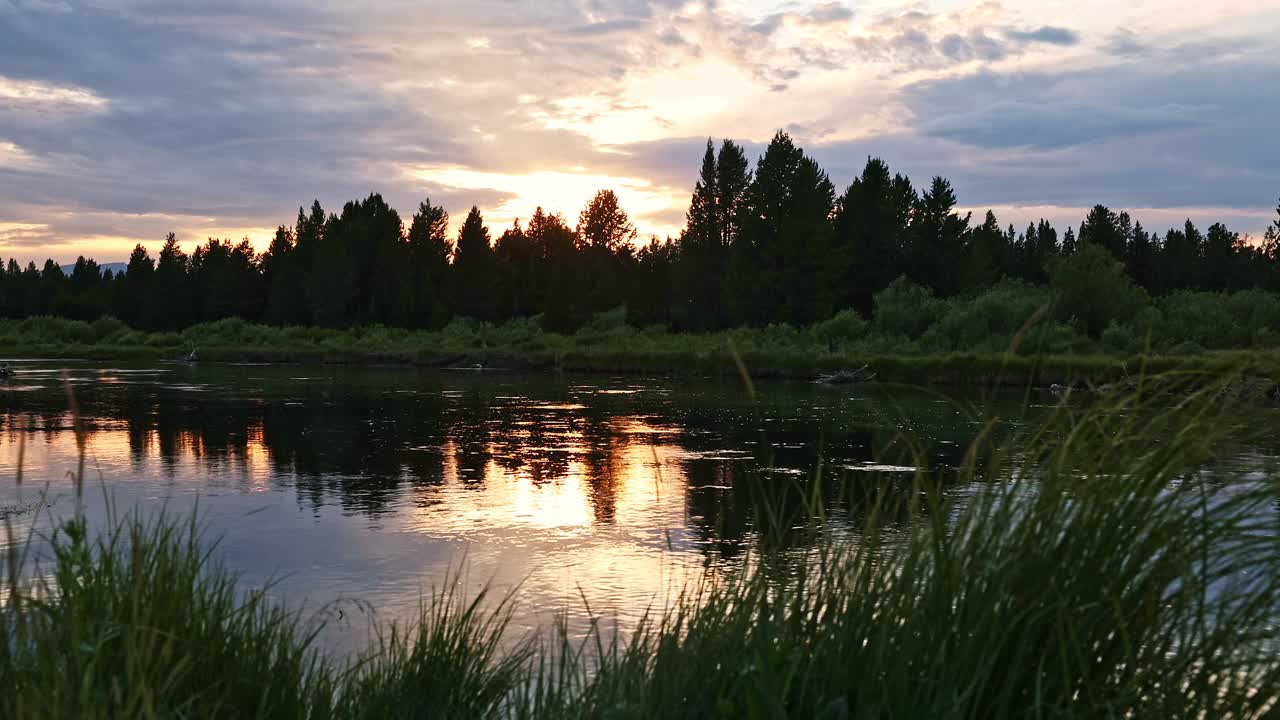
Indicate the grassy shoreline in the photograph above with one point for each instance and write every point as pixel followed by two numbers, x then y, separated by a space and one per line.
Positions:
pixel 613 347
pixel 1116 584
pixel 955 369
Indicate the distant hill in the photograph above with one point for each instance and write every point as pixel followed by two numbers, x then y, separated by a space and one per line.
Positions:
pixel 115 268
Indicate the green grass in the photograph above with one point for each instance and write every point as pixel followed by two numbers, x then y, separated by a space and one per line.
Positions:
pixel 608 345
pixel 1120 583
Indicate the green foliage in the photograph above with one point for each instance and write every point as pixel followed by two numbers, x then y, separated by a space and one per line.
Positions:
pixel 1091 288
pixel 606 322
pixel 453 663
pixel 1217 321
pixel 906 309
pixel 846 327
pixel 989 322
pixel 142 622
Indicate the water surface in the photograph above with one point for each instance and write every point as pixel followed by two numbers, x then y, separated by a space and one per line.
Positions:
pixel 360 488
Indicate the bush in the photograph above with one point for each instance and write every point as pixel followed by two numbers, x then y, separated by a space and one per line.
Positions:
pixel 108 329
pixel 989 322
pixel 1091 288
pixel 841 330
pixel 907 309
pixel 606 322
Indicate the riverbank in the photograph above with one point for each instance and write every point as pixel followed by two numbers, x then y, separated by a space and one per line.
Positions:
pixel 773 352
pixel 1087 584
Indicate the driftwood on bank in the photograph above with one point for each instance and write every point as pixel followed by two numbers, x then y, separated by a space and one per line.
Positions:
pixel 847 377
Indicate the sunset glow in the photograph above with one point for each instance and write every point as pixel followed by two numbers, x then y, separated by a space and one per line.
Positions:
pixel 1022 105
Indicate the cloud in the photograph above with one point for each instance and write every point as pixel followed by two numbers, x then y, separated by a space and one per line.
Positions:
pixel 1045 34
pixel 125 120
pixel 1050 126
pixel 608 27
pixel 830 13
pixel 1125 43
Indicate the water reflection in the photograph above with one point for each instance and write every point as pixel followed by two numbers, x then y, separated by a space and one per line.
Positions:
pixel 370 483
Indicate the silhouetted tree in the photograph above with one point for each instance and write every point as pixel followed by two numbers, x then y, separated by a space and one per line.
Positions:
pixel 605 235
pixel 650 292
pixel 768 246
pixel 133 303
pixel 173 298
pixel 1222 266
pixel 871 233
pixel 563 307
pixel 985 254
pixel 1142 259
pixel 1102 227
pixel 781 263
pixel 1069 242
pixel 702 248
pixel 475 279
pixel 285 279
pixel 937 239
pixel 225 280
pixel 519 269
pixel 428 266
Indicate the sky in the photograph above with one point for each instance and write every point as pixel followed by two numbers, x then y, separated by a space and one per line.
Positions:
pixel 122 121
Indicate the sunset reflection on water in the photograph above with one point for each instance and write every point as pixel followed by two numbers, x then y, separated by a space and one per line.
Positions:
pixel 363 488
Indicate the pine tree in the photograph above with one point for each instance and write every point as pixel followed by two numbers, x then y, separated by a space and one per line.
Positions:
pixel 756 255
pixel 518 263
pixel 812 268
pixel 1103 228
pixel 1142 258
pixel 557 277
pixel 429 251
pixel 870 235
pixel 474 274
pixel 1069 242
pixel 134 301
pixel 1221 271
pixel 785 242
pixel 173 302
pixel 937 239
pixel 984 255
pixel 604 235
pixel 698 277
pixel 1180 259
pixel 285 278
pixel 650 292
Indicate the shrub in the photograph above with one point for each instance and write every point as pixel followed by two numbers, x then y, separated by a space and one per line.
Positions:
pixel 989 321
pixel 1090 286
pixel 605 322
pixel 108 328
pixel 841 330
pixel 906 309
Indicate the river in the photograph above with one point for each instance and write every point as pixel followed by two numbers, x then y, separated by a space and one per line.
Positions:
pixel 352 491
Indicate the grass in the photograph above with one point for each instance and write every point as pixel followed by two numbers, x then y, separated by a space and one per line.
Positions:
pixel 1122 582
pixel 608 345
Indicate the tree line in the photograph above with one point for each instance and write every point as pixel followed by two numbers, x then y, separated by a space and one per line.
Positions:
pixel 770 244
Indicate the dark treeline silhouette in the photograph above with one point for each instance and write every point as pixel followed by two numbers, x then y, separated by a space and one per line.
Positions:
pixel 775 244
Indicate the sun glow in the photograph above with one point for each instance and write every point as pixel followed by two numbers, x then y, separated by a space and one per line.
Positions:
pixel 559 192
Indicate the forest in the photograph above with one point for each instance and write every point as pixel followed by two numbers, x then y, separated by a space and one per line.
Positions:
pixel 777 244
